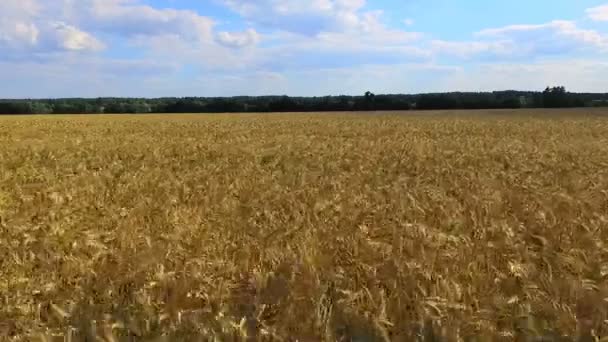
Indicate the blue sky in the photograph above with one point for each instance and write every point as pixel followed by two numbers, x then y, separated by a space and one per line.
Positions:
pixel 151 48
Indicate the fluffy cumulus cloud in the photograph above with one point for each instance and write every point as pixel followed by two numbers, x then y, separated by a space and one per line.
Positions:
pixel 342 22
pixel 558 34
pixel 559 37
pixel 19 33
pixel 16 26
pixel 305 16
pixel 133 18
pixel 75 25
pixel 278 46
pixel 325 33
pixel 239 39
pixel 25 31
pixel 71 38
pixel 599 13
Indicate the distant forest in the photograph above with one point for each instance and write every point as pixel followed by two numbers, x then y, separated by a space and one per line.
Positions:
pixel 552 97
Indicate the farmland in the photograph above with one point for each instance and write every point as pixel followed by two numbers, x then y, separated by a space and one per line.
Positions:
pixel 309 227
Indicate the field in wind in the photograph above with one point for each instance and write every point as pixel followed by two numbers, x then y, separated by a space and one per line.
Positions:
pixel 308 227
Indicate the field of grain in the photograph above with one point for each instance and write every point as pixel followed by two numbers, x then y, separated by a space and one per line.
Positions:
pixel 485 226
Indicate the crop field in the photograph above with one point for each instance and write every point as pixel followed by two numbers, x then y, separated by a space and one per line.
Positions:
pixel 437 226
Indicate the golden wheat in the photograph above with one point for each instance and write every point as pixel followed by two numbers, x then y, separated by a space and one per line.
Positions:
pixel 309 227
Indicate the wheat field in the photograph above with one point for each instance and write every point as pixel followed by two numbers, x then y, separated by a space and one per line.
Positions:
pixel 437 226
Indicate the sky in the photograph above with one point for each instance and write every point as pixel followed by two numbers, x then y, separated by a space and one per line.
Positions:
pixel 156 48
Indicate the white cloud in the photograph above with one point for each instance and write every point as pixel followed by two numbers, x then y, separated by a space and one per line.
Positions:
pixel 18 34
pixel 309 17
pixel 295 7
pixel 25 30
pixel 342 42
pixel 599 13
pixel 557 37
pixel 362 41
pixel 132 18
pixel 71 38
pixel 239 39
pixel 82 18
pixel 341 30
pixel 318 33
pixel 17 29
pixel 31 28
pixel 553 32
pixel 20 8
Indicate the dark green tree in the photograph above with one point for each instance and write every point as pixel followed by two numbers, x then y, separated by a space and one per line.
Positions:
pixel 370 100
pixel 556 97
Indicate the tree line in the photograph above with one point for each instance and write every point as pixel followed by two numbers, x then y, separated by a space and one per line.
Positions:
pixel 552 97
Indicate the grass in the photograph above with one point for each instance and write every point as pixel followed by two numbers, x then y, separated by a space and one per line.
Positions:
pixel 485 226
